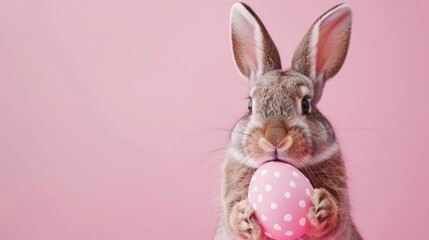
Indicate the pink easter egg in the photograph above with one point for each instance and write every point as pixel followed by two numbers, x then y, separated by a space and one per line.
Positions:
pixel 280 195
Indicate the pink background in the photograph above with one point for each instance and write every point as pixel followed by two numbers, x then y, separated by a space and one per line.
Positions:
pixel 112 112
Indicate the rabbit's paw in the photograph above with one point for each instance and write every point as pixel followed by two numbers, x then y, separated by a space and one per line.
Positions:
pixel 242 222
pixel 323 215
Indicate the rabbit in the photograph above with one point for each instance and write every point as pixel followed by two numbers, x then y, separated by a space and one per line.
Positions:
pixel 284 124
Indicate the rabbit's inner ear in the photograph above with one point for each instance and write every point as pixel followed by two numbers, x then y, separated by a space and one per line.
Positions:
pixel 246 44
pixel 333 42
pixel 254 52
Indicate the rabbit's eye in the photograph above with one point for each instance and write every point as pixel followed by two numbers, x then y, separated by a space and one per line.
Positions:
pixel 250 105
pixel 305 105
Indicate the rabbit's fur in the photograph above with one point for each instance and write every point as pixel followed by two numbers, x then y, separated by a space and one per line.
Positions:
pixel 280 127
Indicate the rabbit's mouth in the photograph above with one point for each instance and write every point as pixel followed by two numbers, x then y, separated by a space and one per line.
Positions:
pixel 276 160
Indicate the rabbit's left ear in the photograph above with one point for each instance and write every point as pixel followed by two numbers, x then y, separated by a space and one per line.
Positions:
pixel 323 50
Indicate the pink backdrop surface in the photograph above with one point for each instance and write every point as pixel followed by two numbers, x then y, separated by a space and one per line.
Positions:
pixel 112 114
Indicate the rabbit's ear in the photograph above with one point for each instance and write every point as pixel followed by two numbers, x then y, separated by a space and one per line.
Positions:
pixel 254 52
pixel 323 50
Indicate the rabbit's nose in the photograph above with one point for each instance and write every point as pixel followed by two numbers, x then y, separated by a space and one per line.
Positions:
pixel 275 136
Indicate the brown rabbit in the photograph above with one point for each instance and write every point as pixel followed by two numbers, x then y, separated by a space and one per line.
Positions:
pixel 284 124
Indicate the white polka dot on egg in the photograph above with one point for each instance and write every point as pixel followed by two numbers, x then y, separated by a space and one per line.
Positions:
pixel 288 195
pixel 288 218
pixel 268 235
pixel 255 189
pixel 277 174
pixel 273 206
pixel 307 191
pixel 302 222
pixel 292 184
pixel 254 207
pixel 264 171
pixel 277 227
pixel 295 174
pixel 289 233
pixel 302 203
pixel 260 198
pixel 263 217
pixel 268 187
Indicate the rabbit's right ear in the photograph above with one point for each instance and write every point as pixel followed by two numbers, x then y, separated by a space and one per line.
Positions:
pixel 254 52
